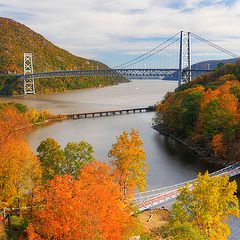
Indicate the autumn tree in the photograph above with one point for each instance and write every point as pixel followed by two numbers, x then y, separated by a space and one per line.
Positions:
pixel 56 161
pixel 214 119
pixel 181 231
pixel 207 205
pixel 218 121
pixel 201 111
pixel 179 111
pixel 20 173
pixel 21 108
pixel 217 144
pixel 130 161
pixel 38 116
pixel 77 156
pixel 19 168
pixel 90 207
pixel 13 125
pixel 52 158
pixel 189 111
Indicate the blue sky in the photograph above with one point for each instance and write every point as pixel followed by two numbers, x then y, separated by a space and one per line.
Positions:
pixel 115 31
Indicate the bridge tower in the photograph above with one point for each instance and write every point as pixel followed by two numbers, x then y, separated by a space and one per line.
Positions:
pixel 184 74
pixel 29 87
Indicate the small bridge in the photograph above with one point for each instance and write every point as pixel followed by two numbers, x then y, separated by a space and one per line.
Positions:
pixel 110 113
pixel 155 197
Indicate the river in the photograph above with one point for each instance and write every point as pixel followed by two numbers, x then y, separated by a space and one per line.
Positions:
pixel 169 162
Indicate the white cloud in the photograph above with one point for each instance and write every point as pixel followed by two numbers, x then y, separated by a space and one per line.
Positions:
pixel 92 27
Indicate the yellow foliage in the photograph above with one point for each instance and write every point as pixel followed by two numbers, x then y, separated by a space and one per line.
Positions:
pixel 38 117
pixel 130 161
pixel 207 205
pixel 19 172
pixel 33 115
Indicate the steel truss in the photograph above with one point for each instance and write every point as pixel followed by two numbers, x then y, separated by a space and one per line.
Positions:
pixel 184 58
pixel 29 87
pixel 158 73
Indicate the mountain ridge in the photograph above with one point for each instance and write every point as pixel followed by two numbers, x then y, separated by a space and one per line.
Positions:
pixel 23 41
pixel 16 38
pixel 212 64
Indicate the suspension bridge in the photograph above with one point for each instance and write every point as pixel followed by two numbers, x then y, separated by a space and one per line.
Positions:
pixel 153 198
pixel 155 63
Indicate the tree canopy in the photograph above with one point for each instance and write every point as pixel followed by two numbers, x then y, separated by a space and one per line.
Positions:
pixel 206 113
pixel 91 207
pixel 130 161
pixel 57 161
pixel 204 208
pixel 20 171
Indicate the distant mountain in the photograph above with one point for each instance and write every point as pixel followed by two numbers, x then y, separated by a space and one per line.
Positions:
pixel 16 38
pixel 212 64
pixel 204 65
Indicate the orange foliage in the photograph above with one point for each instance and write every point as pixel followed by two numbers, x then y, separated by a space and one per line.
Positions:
pixel 88 208
pixel 217 144
pixel 226 100
pixel 19 168
pixel 13 125
pixel 31 233
pixel 208 96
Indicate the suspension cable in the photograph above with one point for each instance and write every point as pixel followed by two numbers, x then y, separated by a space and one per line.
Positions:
pixel 143 55
pixel 215 46
pixel 161 49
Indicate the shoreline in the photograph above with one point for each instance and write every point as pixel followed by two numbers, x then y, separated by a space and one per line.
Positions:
pixel 161 128
pixel 65 91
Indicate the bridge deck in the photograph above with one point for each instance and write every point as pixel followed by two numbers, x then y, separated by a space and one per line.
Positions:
pixel 131 72
pixel 152 198
pixel 110 113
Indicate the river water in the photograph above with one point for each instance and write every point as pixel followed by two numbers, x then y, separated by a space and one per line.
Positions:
pixel 169 162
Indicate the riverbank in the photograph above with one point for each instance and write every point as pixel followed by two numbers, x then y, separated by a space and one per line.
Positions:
pixel 201 152
pixel 50 120
pixel 6 96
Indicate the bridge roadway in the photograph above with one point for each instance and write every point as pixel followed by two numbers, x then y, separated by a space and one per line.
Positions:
pixel 153 198
pixel 110 113
pixel 159 73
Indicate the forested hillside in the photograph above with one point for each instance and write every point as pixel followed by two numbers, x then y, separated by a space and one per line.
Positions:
pixel 212 64
pixel 15 39
pixel 206 113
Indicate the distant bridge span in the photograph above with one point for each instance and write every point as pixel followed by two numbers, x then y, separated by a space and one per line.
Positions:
pixel 158 73
pixel 151 64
